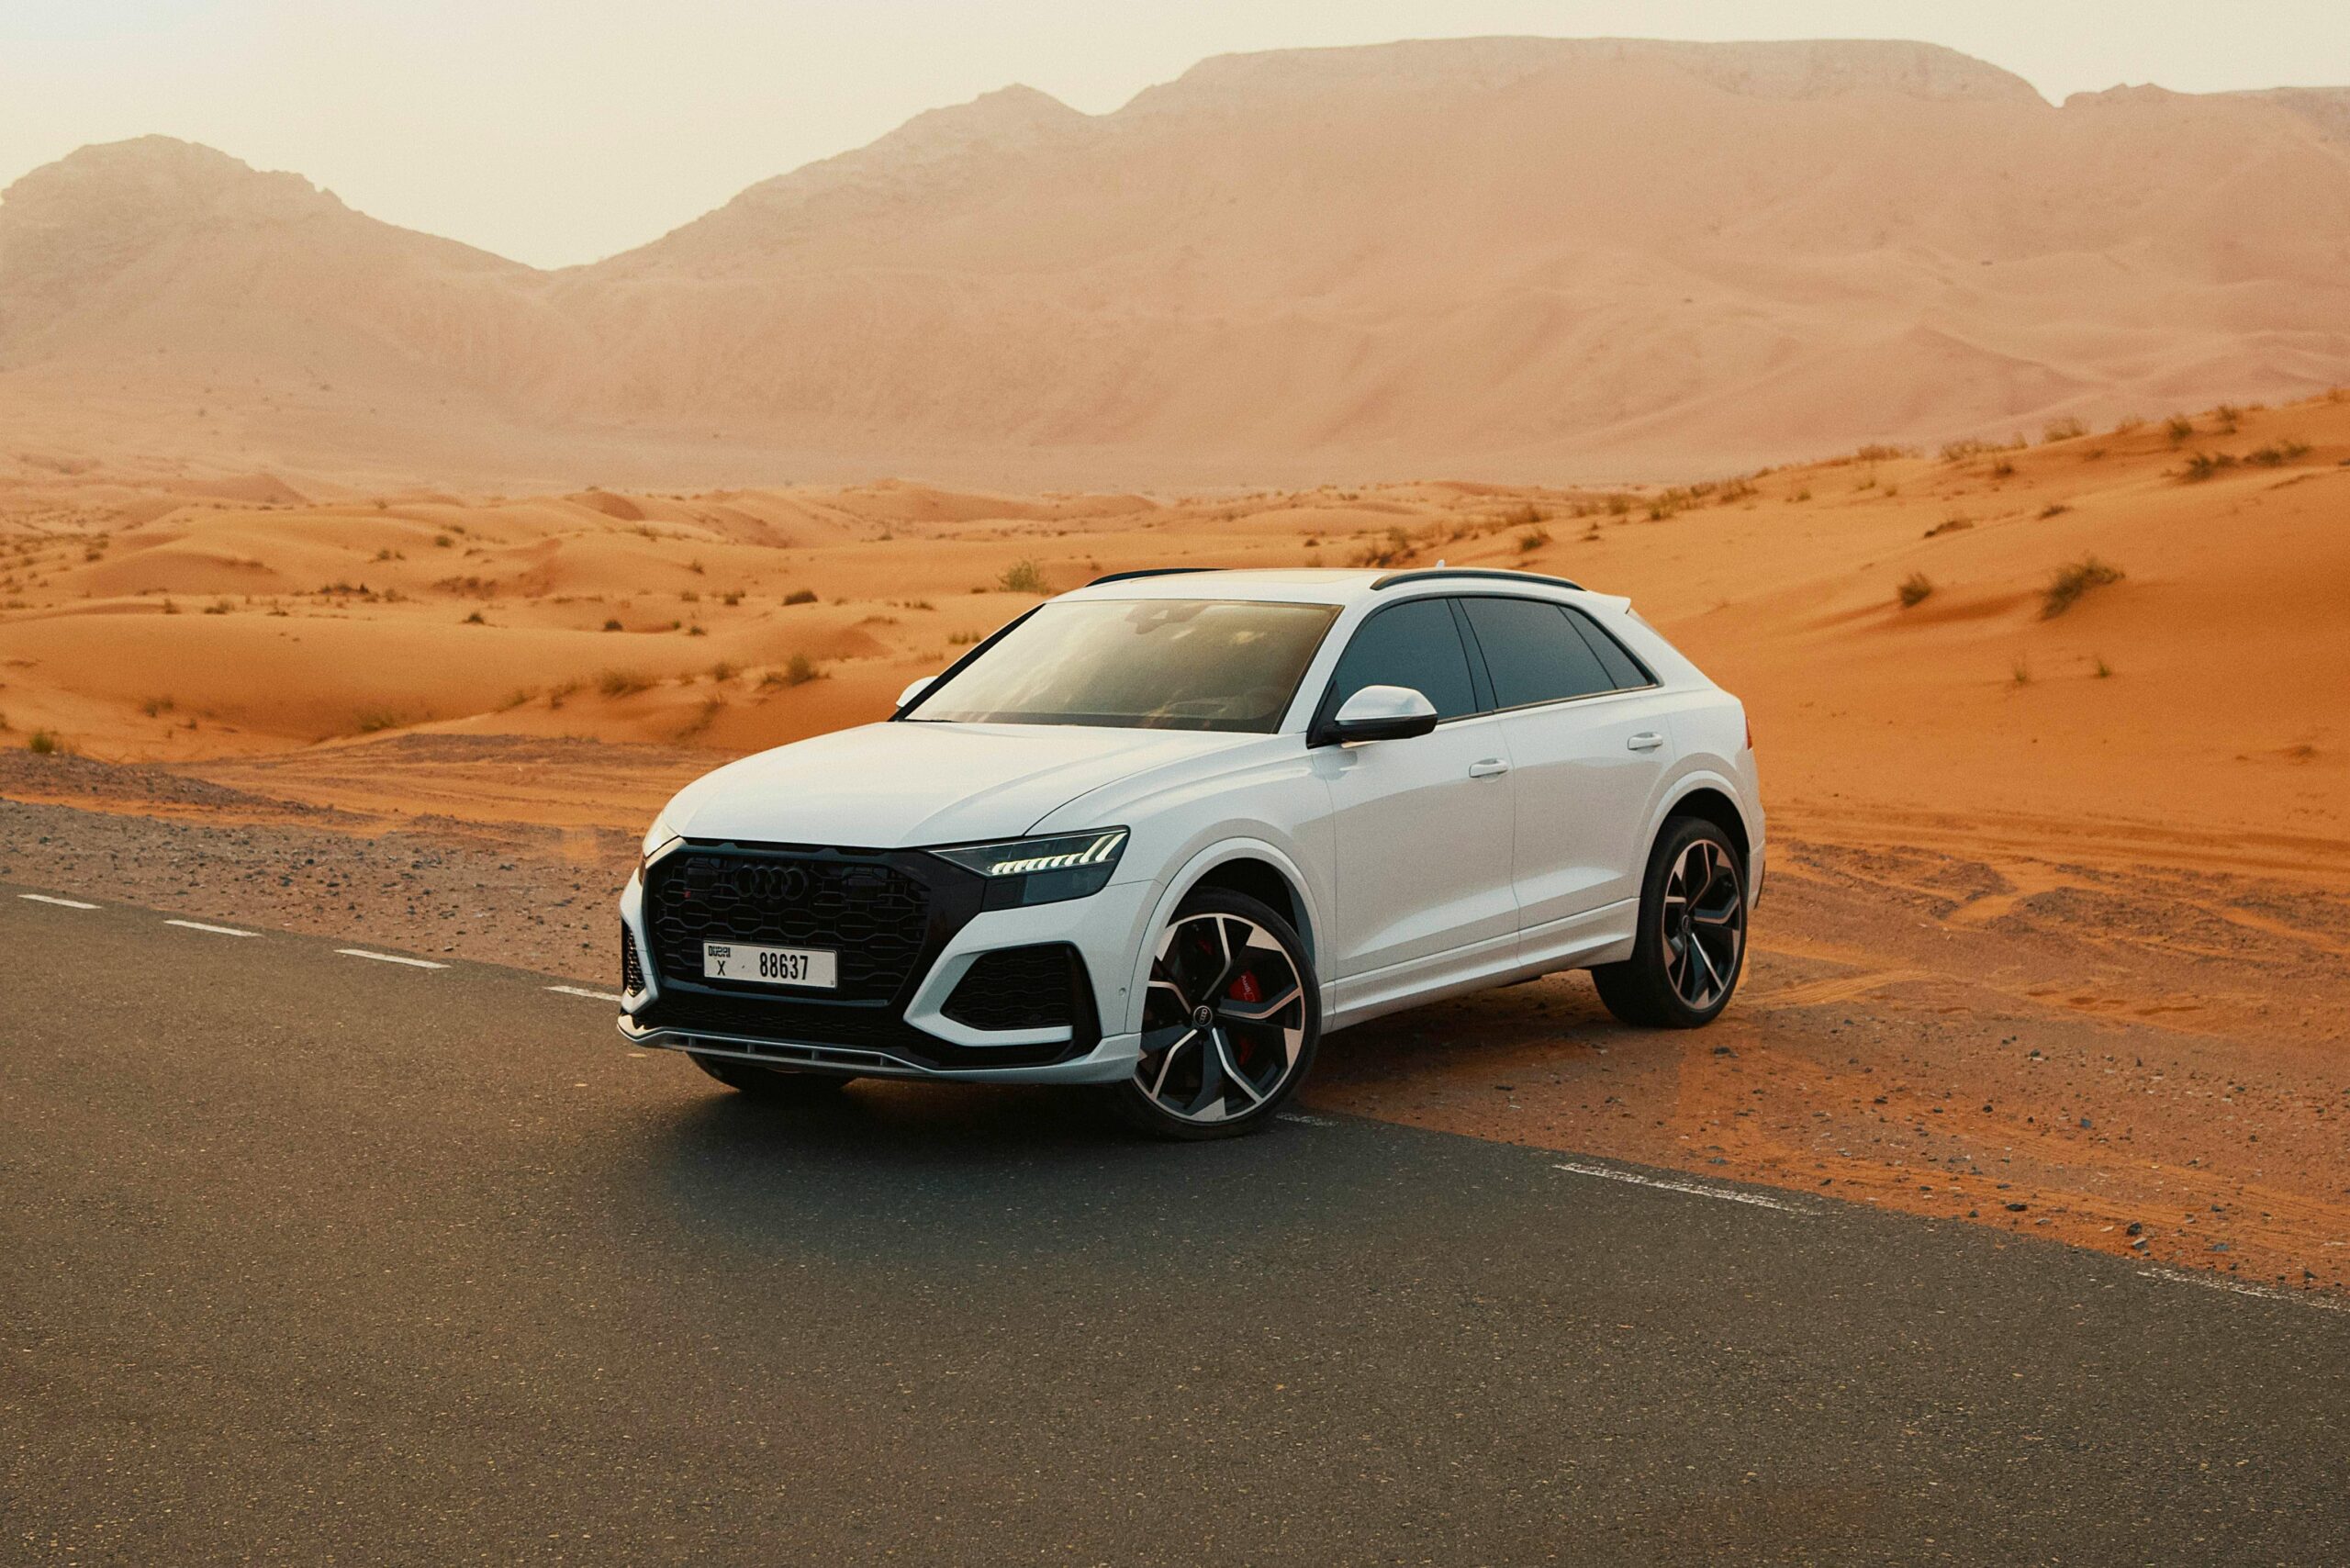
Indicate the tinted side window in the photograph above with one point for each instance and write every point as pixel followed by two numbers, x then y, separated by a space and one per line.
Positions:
pixel 1415 644
pixel 1626 671
pixel 1532 653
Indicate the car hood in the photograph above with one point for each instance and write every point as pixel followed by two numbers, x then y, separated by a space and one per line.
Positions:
pixel 894 786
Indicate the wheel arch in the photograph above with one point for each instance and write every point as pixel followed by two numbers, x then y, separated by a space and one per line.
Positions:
pixel 1247 865
pixel 1714 801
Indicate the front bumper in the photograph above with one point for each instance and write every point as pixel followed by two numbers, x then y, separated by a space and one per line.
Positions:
pixel 1110 1061
pixel 911 1036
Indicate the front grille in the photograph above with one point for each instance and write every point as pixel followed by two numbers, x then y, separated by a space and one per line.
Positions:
pixel 1017 988
pixel 631 973
pixel 870 913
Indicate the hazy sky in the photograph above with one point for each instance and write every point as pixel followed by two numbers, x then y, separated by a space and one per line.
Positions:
pixel 561 130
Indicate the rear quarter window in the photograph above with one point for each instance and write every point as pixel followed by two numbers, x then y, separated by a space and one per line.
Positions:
pixel 1627 672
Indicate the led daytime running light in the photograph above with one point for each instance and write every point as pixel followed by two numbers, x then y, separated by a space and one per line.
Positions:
pixel 1093 854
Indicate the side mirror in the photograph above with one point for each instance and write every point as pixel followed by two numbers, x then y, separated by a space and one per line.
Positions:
pixel 916 690
pixel 1382 713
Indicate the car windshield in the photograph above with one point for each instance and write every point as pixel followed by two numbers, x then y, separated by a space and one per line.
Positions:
pixel 1153 663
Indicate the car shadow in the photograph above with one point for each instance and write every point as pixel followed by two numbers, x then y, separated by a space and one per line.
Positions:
pixel 976 1173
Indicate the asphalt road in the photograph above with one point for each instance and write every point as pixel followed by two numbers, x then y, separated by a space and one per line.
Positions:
pixel 310 1258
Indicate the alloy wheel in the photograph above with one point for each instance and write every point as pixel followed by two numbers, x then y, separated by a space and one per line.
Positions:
pixel 1704 924
pixel 1224 1019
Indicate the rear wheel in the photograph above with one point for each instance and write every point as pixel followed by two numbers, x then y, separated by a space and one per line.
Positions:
pixel 1691 945
pixel 1230 1021
pixel 775 1085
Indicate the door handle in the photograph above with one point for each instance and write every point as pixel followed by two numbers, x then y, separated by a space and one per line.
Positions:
pixel 1491 768
pixel 1647 740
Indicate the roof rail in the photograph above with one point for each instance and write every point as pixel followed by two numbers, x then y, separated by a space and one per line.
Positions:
pixel 1429 574
pixel 1147 572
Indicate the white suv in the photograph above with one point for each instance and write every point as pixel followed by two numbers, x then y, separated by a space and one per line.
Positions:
pixel 1162 833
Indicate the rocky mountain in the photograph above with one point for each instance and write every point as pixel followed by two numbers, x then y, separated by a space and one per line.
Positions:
pixel 1528 258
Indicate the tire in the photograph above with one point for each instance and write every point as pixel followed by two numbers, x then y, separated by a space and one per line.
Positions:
pixel 1689 951
pixel 1231 1018
pixel 772 1085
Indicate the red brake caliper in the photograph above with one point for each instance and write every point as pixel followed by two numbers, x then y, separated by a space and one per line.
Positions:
pixel 1245 989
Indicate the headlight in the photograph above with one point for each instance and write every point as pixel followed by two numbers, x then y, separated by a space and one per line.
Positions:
pixel 1043 870
pixel 659 834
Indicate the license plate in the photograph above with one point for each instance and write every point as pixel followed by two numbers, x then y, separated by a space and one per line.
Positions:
pixel 810 967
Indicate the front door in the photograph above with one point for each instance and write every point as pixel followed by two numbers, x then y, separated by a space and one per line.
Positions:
pixel 1422 827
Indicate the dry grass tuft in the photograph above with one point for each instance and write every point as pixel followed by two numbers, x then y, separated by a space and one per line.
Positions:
pixel 1914 589
pixel 622 682
pixel 2070 582
pixel 1024 576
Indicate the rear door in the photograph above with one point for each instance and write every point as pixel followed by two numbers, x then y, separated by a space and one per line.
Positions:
pixel 1422 827
pixel 1590 748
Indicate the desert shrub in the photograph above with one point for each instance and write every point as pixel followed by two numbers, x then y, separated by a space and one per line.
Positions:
pixel 1533 539
pixel 1969 446
pixel 697 630
pixel 2063 430
pixel 963 639
pixel 555 697
pixel 2003 469
pixel 1876 453
pixel 2275 454
pixel 622 682
pixel 1393 549
pixel 800 596
pixel 377 718
pixel 798 671
pixel 2054 509
pixel 1023 576
pixel 156 707
pixel 2202 465
pixel 2228 416
pixel 2179 427
pixel 1948 525
pixel 612 624
pixel 2020 671
pixel 2103 671
pixel 2126 423
pixel 1916 588
pixel 43 742
pixel 722 672
pixel 442 541
pixel 1738 490
pixel 476 619
pixel 2069 582
pixel 689 597
pixel 515 698
pixel 1619 505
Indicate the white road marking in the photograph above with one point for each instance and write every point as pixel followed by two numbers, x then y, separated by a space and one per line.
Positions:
pixel 62 903
pixel 1695 1189
pixel 215 930
pixel 2245 1287
pixel 590 995
pixel 390 958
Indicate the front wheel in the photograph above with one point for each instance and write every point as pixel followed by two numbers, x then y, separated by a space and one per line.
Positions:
pixel 1692 941
pixel 1230 1022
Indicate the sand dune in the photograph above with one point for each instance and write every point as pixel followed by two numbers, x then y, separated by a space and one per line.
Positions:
pixel 2194 708
pixel 1527 259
